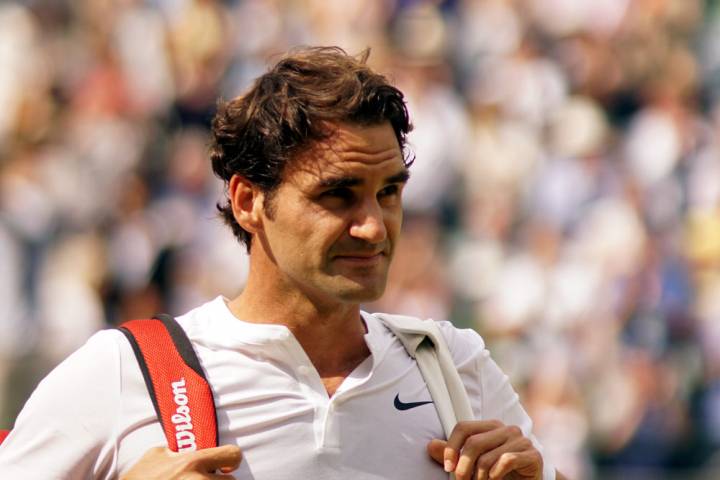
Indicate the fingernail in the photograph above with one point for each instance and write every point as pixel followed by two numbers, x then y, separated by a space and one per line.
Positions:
pixel 448 466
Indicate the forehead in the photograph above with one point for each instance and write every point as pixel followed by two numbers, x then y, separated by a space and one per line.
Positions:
pixel 351 149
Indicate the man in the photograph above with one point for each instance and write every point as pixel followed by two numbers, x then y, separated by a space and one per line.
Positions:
pixel 305 384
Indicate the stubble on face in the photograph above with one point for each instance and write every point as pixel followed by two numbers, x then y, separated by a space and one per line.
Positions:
pixel 328 215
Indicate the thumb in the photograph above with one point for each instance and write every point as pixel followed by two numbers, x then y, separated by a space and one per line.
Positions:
pixel 436 449
pixel 226 458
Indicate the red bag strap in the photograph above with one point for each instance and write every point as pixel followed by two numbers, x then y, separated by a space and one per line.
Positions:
pixel 3 434
pixel 175 381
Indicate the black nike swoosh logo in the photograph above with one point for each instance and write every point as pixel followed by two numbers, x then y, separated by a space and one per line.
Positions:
pixel 407 406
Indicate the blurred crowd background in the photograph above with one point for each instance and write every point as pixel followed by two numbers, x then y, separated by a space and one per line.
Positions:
pixel 565 200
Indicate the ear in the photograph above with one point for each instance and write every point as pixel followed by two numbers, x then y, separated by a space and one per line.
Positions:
pixel 246 200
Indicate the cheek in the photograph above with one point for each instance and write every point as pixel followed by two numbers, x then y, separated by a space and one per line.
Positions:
pixel 311 233
pixel 393 221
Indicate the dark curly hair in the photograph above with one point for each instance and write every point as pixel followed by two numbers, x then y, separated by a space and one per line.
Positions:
pixel 290 107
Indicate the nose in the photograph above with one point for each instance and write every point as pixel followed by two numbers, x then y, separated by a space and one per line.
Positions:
pixel 369 223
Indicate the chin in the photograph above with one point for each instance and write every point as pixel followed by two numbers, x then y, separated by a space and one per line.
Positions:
pixel 361 297
pixel 361 293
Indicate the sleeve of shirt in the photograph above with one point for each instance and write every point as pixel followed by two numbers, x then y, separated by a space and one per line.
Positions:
pixel 492 397
pixel 66 428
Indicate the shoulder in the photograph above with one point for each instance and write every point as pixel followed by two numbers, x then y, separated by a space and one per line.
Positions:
pixel 206 323
pixel 92 372
pixel 102 352
pixel 72 414
pixel 465 344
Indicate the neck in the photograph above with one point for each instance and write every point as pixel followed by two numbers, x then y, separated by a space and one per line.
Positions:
pixel 330 332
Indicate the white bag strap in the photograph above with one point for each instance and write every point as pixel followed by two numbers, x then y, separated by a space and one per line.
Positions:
pixel 425 343
pixel 429 365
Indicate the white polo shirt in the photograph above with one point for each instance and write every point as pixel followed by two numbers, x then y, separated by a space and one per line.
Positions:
pixel 92 418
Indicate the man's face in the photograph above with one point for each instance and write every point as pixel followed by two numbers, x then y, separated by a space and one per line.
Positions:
pixel 336 216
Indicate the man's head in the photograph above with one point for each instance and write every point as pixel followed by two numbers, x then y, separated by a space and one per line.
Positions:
pixel 292 107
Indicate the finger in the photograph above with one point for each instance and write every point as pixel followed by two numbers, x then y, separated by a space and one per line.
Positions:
pixel 528 463
pixel 460 434
pixel 226 457
pixel 476 446
pixel 436 449
pixel 487 463
pixel 205 476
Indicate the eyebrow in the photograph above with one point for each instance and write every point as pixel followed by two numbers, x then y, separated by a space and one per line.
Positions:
pixel 344 182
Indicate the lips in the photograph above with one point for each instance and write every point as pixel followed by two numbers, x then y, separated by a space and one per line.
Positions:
pixel 361 258
pixel 360 255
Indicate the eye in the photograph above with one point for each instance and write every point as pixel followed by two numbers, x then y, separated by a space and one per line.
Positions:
pixel 340 197
pixel 341 193
pixel 389 191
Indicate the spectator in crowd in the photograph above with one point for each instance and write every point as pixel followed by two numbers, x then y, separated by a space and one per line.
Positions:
pixel 566 204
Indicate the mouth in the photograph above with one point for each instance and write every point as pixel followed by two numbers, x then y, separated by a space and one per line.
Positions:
pixel 361 259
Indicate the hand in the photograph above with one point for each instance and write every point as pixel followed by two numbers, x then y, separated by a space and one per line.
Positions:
pixel 163 464
pixel 487 450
